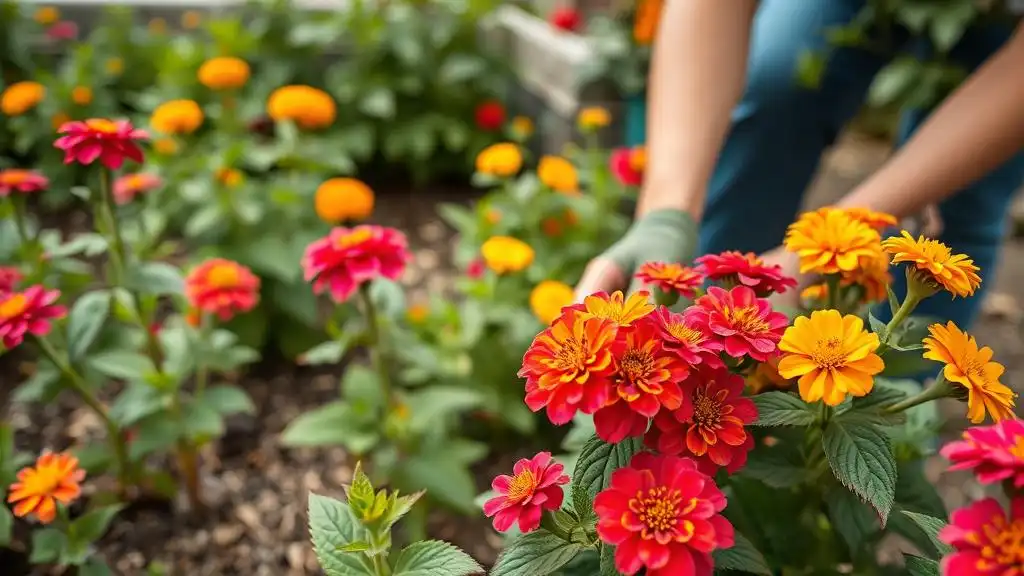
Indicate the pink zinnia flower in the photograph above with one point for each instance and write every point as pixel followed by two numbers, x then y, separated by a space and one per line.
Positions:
pixel 987 541
pixel 222 287
pixel 28 312
pixel 686 340
pixel 523 497
pixel 566 18
pixel 733 268
pixel 110 141
pixel 63 30
pixel 21 181
pixel 627 166
pixel 995 453
pixel 9 278
pixel 349 257
pixel 745 324
pixel 476 268
pixel 671 277
pixel 127 187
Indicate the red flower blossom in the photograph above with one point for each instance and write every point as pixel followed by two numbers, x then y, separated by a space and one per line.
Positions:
pixel 490 116
pixel 63 30
pixel 616 307
pixel 710 427
pixel 986 540
pixel 22 181
pixel 671 277
pixel 995 453
pixel 28 312
pixel 733 268
pixel 683 338
pixel 569 366
pixel 647 377
pixel 476 268
pixel 523 497
pixel 745 324
pixel 110 141
pixel 623 165
pixel 222 287
pixel 664 515
pixel 127 187
pixel 9 278
pixel 565 18
pixel 349 257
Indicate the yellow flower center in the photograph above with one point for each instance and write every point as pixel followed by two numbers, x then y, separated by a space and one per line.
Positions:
pixel 46 479
pixel 973 368
pixel 223 276
pixel 660 510
pixel 828 353
pixel 746 319
pixel 13 306
pixel 102 125
pixel 13 177
pixel 1017 450
pixel 636 364
pixel 571 354
pixel 706 410
pixel 685 333
pixel 1006 544
pixel 521 486
pixel 353 238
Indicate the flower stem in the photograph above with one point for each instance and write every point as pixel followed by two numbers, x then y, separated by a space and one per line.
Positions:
pixel 832 282
pixel 117 253
pixel 378 352
pixel 908 305
pixel 381 566
pixel 202 370
pixel 20 219
pixel 940 389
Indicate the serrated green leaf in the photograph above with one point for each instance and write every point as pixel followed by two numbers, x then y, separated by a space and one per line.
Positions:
pixel 877 326
pixel 742 557
pixel 598 460
pixel 608 560
pixel 535 554
pixel 861 458
pixel 782 409
pixel 85 320
pixel 332 527
pixel 851 517
pixel 779 466
pixel 917 566
pixel 930 526
pixel 435 558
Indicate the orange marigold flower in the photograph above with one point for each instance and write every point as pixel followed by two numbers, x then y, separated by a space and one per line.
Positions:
pixel 191 19
pixel 109 141
pixel 81 95
pixel 620 310
pixel 873 218
pixel 558 174
pixel 157 26
pixel 832 355
pixel 20 97
pixel 310 108
pixel 505 254
pixel 46 15
pixel 593 118
pixel 229 177
pixel 56 478
pixel 417 313
pixel 815 292
pixel 127 187
pixel 830 242
pixel 766 377
pixel 223 73
pixel 671 277
pixel 522 127
pixel 165 146
pixel 645 22
pixel 872 277
pixel 21 181
pixel 222 287
pixel 973 369
pixel 935 264
pixel 343 199
pixel 548 298
pixel 569 366
pixel 177 117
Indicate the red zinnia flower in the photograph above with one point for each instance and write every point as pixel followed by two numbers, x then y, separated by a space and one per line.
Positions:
pixel 490 116
pixel 671 277
pixel 110 141
pixel 663 514
pixel 684 339
pixel 623 166
pixel 23 181
pixel 569 366
pixel 745 324
pixel 616 307
pixel 647 377
pixel 349 257
pixel 55 478
pixel 735 268
pixel 9 278
pixel 995 453
pixel 222 287
pixel 127 187
pixel 565 18
pixel 28 312
pixel 523 497
pixel 63 30
pixel 987 540
pixel 476 268
pixel 711 426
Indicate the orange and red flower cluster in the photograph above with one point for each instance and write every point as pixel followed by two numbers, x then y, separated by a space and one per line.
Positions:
pixel 535 486
pixel 108 141
pixel 28 312
pixel 222 287
pixel 349 257
pixel 733 268
pixel 21 181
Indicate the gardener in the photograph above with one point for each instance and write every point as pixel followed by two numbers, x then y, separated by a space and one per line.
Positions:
pixel 743 176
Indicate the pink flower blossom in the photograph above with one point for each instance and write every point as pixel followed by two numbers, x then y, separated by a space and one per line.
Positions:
pixel 127 187
pixel 348 257
pixel 986 540
pixel 109 141
pixel 523 497
pixel 745 324
pixel 995 453
pixel 21 181
pixel 28 312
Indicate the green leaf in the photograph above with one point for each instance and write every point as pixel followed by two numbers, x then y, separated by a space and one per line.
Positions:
pixel 89 527
pixel 89 244
pixel 917 566
pixel 583 504
pixel 742 557
pixel 228 400
pixel 782 409
pixel 273 256
pixel 852 518
pixel 201 420
pixel 332 526
pixel 862 459
pixel 598 460
pixel 42 386
pixel 430 406
pixel 204 220
pixel 135 402
pixel 877 326
pixel 535 554
pixel 810 66
pixel 329 352
pixel 157 278
pixel 458 68
pixel 94 567
pixel 48 544
pixel 95 457
pixel 893 81
pixel 778 466
pixel 379 102
pixel 915 492
pixel 608 560
pixel 328 425
pixel 435 558
pixel 85 320
pixel 446 479
pixel 6 526
pixel 950 23
pixel 153 434
pixel 894 302
pixel 930 527
pixel 122 364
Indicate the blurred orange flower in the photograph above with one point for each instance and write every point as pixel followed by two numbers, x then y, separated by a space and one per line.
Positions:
pixel 558 174
pixel 21 97
pixel 343 199
pixel 177 117
pixel 310 108
pixel 55 478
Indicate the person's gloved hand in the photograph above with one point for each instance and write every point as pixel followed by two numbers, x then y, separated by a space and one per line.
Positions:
pixel 665 235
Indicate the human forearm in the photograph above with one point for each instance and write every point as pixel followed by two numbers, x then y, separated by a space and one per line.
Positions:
pixel 978 128
pixel 698 71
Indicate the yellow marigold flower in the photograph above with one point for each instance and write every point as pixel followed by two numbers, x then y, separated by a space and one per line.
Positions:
pixel 58 120
pixel 81 95
pixel 165 146
pixel 873 218
pixel 223 73
pixel 157 26
pixel 504 254
pixel 935 264
pixel 832 355
pixel 21 97
pixel 522 127
pixel 645 21
pixel 177 117
pixel 501 160
pixel 47 15
pixel 342 200
pixel 191 19
pixel 873 277
pixel 55 478
pixel 829 242
pixel 310 108
pixel 417 313
pixel 617 308
pixel 558 174
pixel 593 118
pixel 548 298
pixel 766 377
pixel 114 66
pixel 228 177
pixel 971 368
pixel 815 292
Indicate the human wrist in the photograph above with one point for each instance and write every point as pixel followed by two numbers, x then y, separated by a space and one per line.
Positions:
pixel 671 194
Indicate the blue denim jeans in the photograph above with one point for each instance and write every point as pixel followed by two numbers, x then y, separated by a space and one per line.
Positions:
pixel 780 129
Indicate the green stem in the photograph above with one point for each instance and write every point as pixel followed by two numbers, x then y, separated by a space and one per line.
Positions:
pixel 940 389
pixel 824 413
pixel 378 354
pixel 117 253
pixel 832 298
pixel 381 566
pixel 20 219
pixel 202 370
pixel 908 305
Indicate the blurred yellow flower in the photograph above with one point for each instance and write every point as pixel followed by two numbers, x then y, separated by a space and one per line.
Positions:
pixel 417 313
pixel 177 117
pixel 593 118
pixel 223 73
pixel 873 218
pixel 501 160
pixel 21 97
pixel 114 66
pixel 81 95
pixel 548 298
pixel 645 21
pixel 343 200
pixel 815 292
pixel 191 19
pixel 47 15
pixel 973 369
pixel 934 264
pixel 228 177
pixel 157 26
pixel 558 174
pixel 522 127
pixel 165 146
pixel 830 242
pixel 504 254
pixel 310 108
